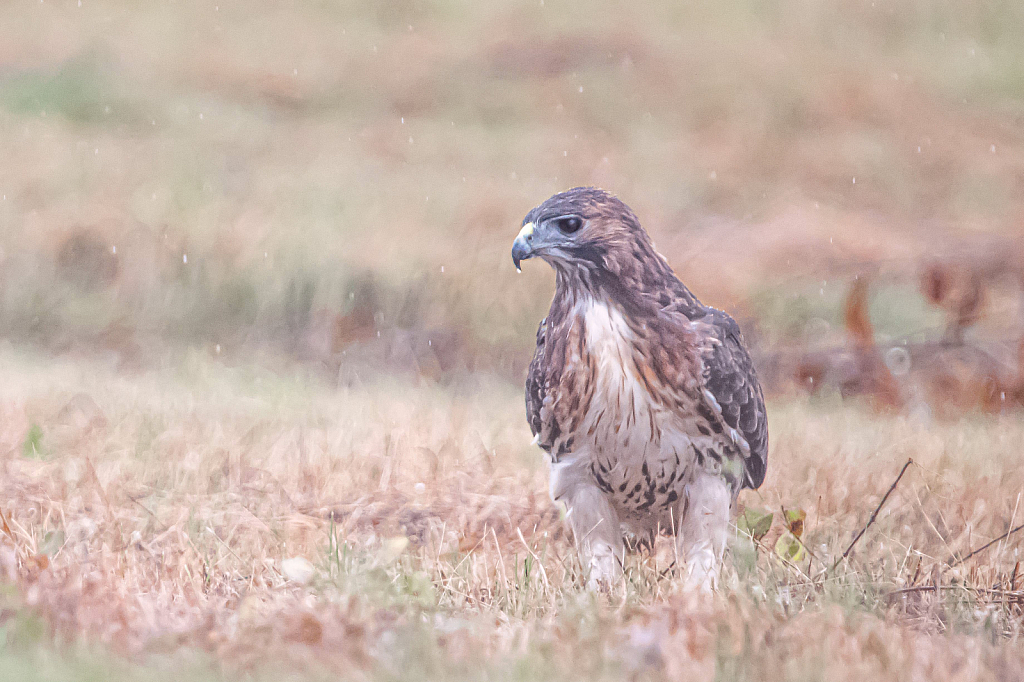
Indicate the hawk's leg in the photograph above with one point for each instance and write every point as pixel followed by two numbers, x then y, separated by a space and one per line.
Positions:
pixel 704 530
pixel 595 526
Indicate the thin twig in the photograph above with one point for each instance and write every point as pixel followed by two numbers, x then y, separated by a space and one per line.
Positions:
pixel 1013 517
pixel 953 561
pixel 874 515
pixel 147 510
pixel 212 532
pixel 994 592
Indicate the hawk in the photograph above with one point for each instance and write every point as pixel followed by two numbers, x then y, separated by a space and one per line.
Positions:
pixel 644 399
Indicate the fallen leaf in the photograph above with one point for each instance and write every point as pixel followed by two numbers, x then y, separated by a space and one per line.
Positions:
pixel 790 548
pixel 795 521
pixel 755 522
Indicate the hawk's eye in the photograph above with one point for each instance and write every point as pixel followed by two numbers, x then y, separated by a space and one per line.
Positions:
pixel 569 224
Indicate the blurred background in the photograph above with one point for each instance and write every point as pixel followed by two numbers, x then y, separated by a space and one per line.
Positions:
pixel 334 186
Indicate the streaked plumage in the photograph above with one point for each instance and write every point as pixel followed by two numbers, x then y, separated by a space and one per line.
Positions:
pixel 645 399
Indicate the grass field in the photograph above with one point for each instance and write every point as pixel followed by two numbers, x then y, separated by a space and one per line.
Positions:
pixel 171 507
pixel 262 347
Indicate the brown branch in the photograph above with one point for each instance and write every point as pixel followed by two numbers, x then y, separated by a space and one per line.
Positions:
pixel 925 588
pixel 874 515
pixel 953 561
pixel 989 591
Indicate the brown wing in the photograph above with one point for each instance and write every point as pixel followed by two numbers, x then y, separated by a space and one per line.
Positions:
pixel 729 376
pixel 535 380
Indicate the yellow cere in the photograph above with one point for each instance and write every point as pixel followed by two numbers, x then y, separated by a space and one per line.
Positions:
pixel 526 231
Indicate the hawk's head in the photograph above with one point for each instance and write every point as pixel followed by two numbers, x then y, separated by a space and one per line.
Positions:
pixel 580 229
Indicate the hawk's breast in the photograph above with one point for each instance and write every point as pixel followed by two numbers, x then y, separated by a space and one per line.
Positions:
pixel 640 449
pixel 623 408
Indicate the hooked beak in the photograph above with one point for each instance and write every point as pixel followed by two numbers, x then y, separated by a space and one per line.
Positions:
pixel 522 247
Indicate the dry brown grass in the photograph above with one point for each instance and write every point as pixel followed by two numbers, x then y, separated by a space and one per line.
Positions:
pixel 155 514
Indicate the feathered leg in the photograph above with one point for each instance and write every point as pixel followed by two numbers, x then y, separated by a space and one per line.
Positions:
pixel 704 530
pixel 595 526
